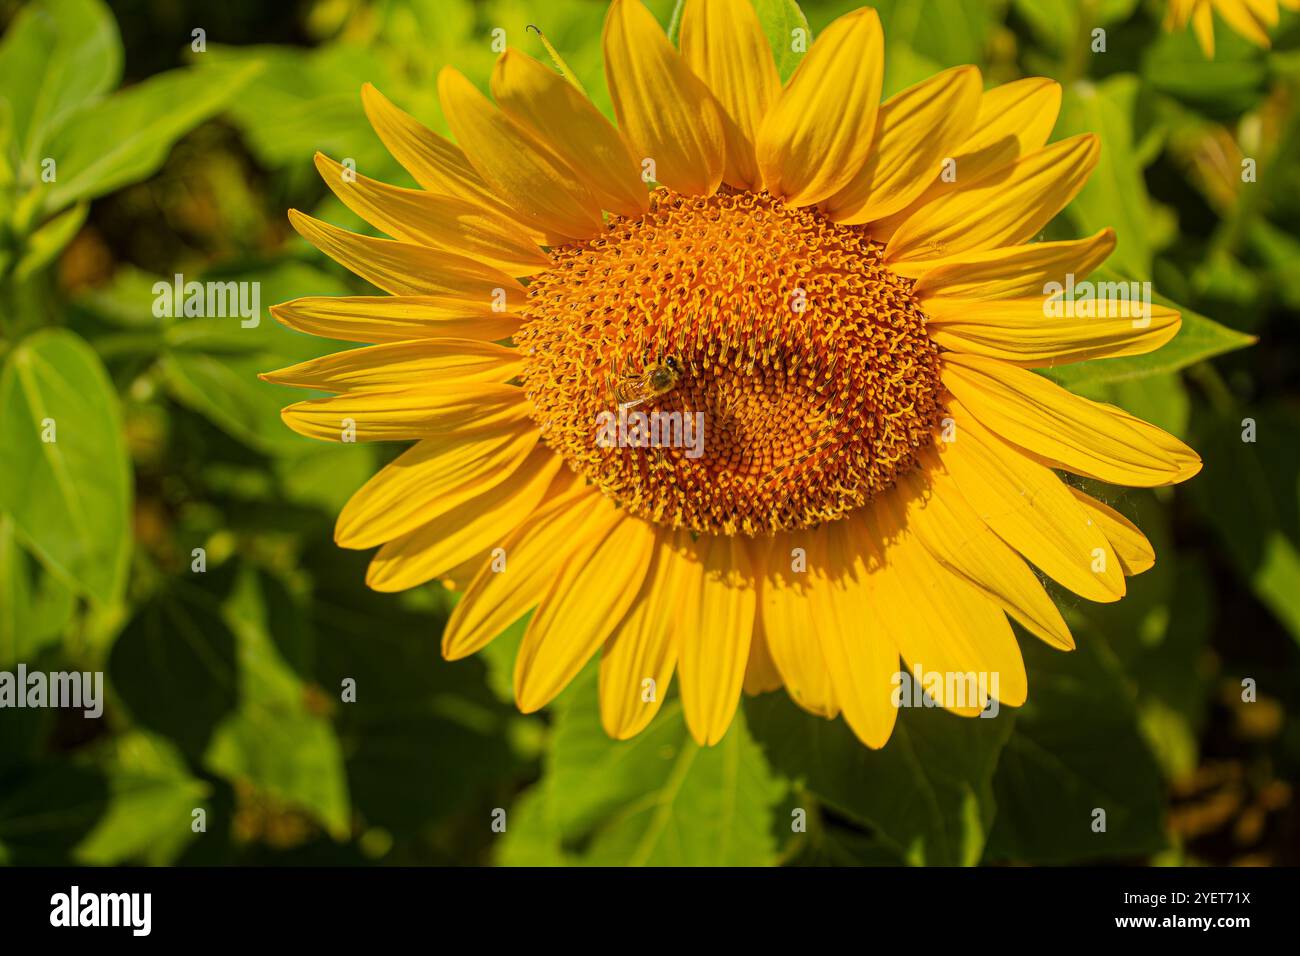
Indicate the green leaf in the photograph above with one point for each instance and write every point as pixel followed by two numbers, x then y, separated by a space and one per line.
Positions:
pixel 67 480
pixel 302 101
pixel 1115 194
pixel 211 365
pixel 34 605
pixel 1077 749
pixel 1223 87
pixel 151 798
pixel 127 137
pixel 1199 338
pixel 48 241
pixel 656 800
pixel 1249 493
pixel 780 18
pixel 174 666
pixel 927 794
pixel 424 738
pixel 46 808
pixel 57 56
pixel 923 37
pixel 274 741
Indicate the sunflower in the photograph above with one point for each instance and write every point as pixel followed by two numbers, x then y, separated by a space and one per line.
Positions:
pixel 844 292
pixel 1251 19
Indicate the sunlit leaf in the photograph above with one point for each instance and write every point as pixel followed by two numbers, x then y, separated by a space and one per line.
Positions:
pixel 127 136
pixel 67 480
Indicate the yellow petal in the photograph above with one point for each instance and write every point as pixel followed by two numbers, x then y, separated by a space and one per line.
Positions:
pixel 818 134
pixel 434 474
pixel 713 653
pixel 1005 208
pixel 537 185
pixel 458 533
pixel 666 112
pixel 1203 24
pixel 535 553
pixel 1250 21
pixel 761 674
pixel 644 646
pixel 403 365
pixel 441 222
pixel 1013 120
pixel 1131 545
pixel 596 587
pixel 1031 510
pixel 954 534
pixel 413 413
pixel 387 318
pixel 404 268
pixel 941 623
pixel 916 130
pixel 1014 271
pixel 724 44
pixel 459 577
pixel 861 656
pixel 434 162
pixel 1074 433
pixel 1018 332
pixel 554 111
pixel 785 608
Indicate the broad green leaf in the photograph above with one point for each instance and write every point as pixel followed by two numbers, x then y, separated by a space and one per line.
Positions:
pixel 34 605
pixel 275 741
pixel 151 799
pixel 211 364
pixel 46 809
pixel 927 794
pixel 1077 749
pixel 127 137
pixel 1232 82
pixel 833 845
pixel 67 480
pixel 780 20
pixel 1249 493
pixel 301 101
pixel 924 37
pixel 1115 194
pixel 424 739
pixel 1056 22
pixel 1199 338
pixel 656 800
pixel 175 666
pixel 57 56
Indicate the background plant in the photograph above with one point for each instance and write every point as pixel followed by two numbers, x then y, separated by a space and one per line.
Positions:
pixel 224 687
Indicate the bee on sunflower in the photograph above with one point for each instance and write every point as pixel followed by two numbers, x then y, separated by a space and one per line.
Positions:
pixel 852 297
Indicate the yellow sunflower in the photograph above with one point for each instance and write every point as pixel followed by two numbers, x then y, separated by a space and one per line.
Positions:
pixel 1251 19
pixel 844 293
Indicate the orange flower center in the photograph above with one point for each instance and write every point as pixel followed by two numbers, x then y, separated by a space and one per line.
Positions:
pixel 730 364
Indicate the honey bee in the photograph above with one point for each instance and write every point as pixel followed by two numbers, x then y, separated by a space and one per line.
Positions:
pixel 639 387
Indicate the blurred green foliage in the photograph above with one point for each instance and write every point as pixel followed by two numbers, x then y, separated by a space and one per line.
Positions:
pixel 226 688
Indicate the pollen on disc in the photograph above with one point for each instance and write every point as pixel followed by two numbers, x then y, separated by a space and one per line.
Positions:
pixel 806 359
